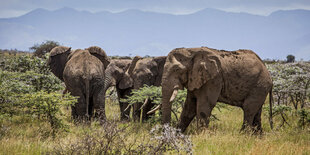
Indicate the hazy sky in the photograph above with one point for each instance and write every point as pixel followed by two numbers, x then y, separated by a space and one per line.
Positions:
pixel 12 8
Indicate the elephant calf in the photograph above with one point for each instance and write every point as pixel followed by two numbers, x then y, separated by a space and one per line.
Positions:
pixel 237 78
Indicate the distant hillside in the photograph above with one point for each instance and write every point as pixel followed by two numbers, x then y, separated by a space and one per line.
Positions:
pixel 135 32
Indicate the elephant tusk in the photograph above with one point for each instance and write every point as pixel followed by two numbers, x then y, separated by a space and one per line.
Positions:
pixel 154 110
pixel 127 107
pixel 145 102
pixel 174 94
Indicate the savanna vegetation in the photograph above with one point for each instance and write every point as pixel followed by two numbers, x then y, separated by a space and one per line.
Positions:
pixel 35 117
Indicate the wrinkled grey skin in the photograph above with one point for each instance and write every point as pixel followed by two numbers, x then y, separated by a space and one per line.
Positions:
pixel 145 71
pixel 83 74
pixel 237 78
pixel 114 76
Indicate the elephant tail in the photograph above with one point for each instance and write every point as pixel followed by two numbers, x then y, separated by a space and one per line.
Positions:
pixel 87 97
pixel 270 108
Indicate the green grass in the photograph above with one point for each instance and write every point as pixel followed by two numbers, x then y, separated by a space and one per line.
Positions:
pixel 26 136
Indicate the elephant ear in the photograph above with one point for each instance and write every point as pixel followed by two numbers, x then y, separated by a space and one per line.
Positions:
pixel 133 64
pixel 100 54
pixel 58 59
pixel 203 70
pixel 59 50
pixel 160 61
pixel 125 82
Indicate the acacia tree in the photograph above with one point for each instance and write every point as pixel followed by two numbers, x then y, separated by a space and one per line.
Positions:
pixel 45 47
pixel 290 58
pixel 291 83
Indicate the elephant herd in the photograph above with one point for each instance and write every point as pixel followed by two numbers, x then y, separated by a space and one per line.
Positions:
pixel 237 78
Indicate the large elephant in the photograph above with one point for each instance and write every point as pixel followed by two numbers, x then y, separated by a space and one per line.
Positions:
pixel 83 74
pixel 145 71
pixel 115 76
pixel 237 78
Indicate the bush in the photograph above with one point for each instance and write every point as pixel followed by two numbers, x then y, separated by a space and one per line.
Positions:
pixel 47 106
pixel 154 93
pixel 304 118
pixel 45 47
pixel 29 89
pixel 290 58
pixel 112 138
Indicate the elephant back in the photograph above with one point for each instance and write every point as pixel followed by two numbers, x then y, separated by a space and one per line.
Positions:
pixel 100 54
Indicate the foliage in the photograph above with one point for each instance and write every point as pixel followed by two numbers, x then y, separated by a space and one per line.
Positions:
pixel 291 83
pixel 154 93
pixel 29 89
pixel 304 118
pixel 110 138
pixel 283 112
pixel 47 106
pixel 291 89
pixel 45 47
pixel 290 58
pixel 167 138
pixel 151 92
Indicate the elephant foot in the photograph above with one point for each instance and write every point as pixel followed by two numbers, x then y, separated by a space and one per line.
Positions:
pixel 253 130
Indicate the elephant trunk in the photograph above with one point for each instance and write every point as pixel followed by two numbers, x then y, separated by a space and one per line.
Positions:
pixel 107 80
pixel 167 91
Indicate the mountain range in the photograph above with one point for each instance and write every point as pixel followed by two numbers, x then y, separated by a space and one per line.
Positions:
pixel 135 32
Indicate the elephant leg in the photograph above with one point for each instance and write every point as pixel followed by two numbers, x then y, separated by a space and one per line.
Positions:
pixel 204 109
pixel 148 107
pixel 123 105
pixel 188 113
pixel 257 124
pixel 74 114
pixel 207 97
pixel 124 114
pixel 136 111
pixel 205 106
pixel 91 107
pixel 79 109
pixel 252 108
pixel 99 105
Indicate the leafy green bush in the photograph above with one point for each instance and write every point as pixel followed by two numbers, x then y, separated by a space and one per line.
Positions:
pixel 282 111
pixel 29 89
pixel 154 93
pixel 47 106
pixel 304 118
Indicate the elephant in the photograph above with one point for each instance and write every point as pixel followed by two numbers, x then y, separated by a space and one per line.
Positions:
pixel 145 71
pixel 114 76
pixel 126 78
pixel 238 78
pixel 83 74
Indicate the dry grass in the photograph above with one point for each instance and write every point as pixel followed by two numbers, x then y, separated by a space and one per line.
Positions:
pixel 222 137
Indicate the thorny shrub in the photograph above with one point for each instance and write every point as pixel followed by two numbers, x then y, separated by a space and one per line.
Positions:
pixel 304 118
pixel 112 138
